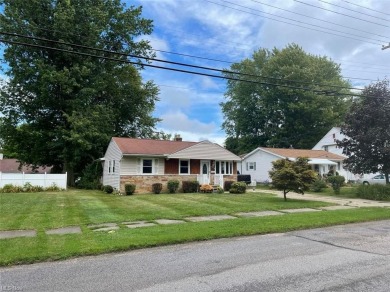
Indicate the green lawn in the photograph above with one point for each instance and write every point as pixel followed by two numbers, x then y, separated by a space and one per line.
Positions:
pixel 41 211
pixel 49 210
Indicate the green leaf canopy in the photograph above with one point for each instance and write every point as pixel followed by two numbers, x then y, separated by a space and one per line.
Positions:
pixel 60 108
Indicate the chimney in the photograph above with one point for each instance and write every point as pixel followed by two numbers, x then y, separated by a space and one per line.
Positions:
pixel 177 138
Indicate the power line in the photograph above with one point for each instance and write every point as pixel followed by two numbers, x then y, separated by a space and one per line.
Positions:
pixel 171 62
pixel 364 7
pixel 362 13
pixel 327 32
pixel 205 58
pixel 319 19
pixel 326 92
pixel 350 16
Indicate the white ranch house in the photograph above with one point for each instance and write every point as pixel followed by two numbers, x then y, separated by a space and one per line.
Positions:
pixel 259 162
pixel 144 162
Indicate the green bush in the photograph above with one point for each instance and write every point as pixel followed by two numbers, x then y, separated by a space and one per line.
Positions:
pixel 227 185
pixel 108 189
pixel 238 188
pixel 129 189
pixel 318 185
pixel 220 190
pixel 53 188
pixel 190 186
pixel 157 188
pixel 337 182
pixel 9 188
pixel 374 192
pixel 90 177
pixel 173 186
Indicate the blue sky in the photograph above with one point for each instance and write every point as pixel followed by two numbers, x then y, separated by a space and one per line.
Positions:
pixel 189 104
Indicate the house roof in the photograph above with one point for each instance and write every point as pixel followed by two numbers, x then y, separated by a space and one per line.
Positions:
pixel 149 146
pixel 12 166
pixel 294 153
pixel 174 149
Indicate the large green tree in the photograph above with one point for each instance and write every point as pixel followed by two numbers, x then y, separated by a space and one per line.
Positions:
pixel 260 114
pixel 60 108
pixel 367 130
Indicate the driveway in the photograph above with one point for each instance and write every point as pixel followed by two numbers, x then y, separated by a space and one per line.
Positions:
pixel 353 257
pixel 336 200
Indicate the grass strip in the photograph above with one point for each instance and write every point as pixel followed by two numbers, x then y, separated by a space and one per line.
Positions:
pixel 58 247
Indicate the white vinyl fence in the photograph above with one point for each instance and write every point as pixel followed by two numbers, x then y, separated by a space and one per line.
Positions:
pixel 44 180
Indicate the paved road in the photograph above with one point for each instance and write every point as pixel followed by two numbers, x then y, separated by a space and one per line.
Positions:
pixel 352 257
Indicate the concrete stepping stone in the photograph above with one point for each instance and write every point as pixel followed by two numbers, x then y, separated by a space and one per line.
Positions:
pixel 210 218
pixel 92 226
pixel 103 227
pixel 169 221
pixel 330 208
pixel 259 214
pixel 138 224
pixel 17 233
pixel 299 210
pixel 110 228
pixel 64 230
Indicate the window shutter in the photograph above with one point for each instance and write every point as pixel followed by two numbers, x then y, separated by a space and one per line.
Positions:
pixel 155 166
pixel 254 165
pixel 247 166
pixel 139 165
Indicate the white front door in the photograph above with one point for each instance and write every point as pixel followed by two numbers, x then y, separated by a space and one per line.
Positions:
pixel 204 176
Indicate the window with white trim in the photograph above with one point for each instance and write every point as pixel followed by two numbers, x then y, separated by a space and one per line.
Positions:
pixel 184 166
pixel 109 166
pixel 113 166
pixel 224 167
pixel 147 166
pixel 251 166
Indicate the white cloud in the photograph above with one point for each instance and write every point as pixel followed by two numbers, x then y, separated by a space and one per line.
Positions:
pixel 178 121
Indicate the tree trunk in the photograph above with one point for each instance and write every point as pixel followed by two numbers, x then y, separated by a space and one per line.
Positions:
pixel 285 195
pixel 387 178
pixel 70 174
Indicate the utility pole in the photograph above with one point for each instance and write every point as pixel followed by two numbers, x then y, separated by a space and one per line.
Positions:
pixel 384 47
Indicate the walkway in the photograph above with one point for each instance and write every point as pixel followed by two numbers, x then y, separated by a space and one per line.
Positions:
pixel 341 203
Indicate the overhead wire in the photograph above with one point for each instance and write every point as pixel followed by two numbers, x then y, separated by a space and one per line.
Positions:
pixel 355 11
pixel 319 19
pixel 364 7
pixel 171 62
pixel 325 92
pixel 206 58
pixel 336 12
pixel 379 42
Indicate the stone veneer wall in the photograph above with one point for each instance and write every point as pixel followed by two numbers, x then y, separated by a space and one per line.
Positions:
pixel 144 183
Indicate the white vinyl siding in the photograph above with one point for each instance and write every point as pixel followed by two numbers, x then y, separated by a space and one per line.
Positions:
pixel 207 151
pixel 112 158
pixel 134 165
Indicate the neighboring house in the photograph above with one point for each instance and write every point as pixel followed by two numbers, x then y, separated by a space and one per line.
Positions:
pixel 10 165
pixel 144 162
pixel 259 162
pixel 328 143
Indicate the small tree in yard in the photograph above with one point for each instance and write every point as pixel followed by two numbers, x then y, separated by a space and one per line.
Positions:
pixel 290 175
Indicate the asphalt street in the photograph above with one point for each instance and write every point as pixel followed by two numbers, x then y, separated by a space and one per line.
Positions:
pixel 353 257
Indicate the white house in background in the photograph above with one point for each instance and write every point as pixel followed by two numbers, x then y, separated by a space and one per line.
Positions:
pixel 144 162
pixel 328 143
pixel 259 162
